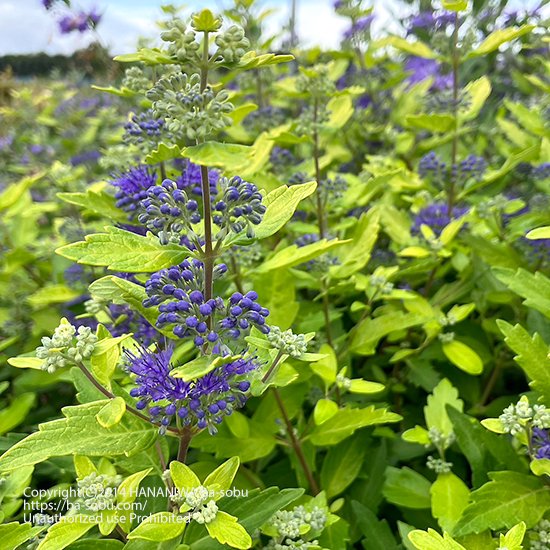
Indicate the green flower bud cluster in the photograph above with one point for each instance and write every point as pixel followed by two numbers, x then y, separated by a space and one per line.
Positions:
pixel 93 307
pixel 439 439
pixel 289 544
pixel 290 523
pixel 438 465
pixel 135 80
pixel 385 287
pixel 539 536
pixel 64 349
pixel 292 344
pixel 446 337
pixel 516 418
pixel 196 497
pixel 343 382
pixel 98 491
pixel 206 513
pixel 189 112
pixel 182 43
pixel 232 44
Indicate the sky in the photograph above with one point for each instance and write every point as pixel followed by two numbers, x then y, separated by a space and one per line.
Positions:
pixel 26 27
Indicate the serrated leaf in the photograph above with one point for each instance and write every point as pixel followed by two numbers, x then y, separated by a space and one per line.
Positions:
pixel 121 250
pixel 532 356
pixel 79 433
pixel 432 540
pixel 163 153
pixel 533 287
pixel 229 156
pixel 502 501
pixel 435 411
pixel 98 202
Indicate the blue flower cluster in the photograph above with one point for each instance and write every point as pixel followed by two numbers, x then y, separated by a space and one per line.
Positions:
pixel 436 216
pixel 540 443
pixel 168 212
pixel 333 188
pixel 143 127
pixel 178 293
pixel 203 402
pixel 420 69
pixel 131 188
pixel 240 206
pixel 191 178
pixel 432 167
pixel 430 21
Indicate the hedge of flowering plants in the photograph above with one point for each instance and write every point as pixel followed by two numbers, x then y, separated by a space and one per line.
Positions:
pixel 290 300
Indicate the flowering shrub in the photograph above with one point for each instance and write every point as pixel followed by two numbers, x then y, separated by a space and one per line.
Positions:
pixel 281 301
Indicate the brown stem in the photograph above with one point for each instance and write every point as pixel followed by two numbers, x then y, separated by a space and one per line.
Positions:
pixel 296 445
pixel 272 368
pixel 185 439
pixel 493 378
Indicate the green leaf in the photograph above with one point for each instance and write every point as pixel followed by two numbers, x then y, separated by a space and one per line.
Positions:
pixel 66 531
pixel 205 21
pixel 433 122
pixel 450 497
pixel 540 466
pixel 163 153
pixel 370 331
pixel 499 37
pixel 532 355
pixel 342 465
pixel 229 156
pixel 499 504
pixel 455 5
pixel 160 526
pixel 346 421
pixel 121 250
pixel 251 60
pixel 407 488
pixel 79 433
pixel 12 193
pixel 12 415
pixel 485 451
pixel 196 368
pixel 357 385
pixel 432 540
pixel 539 233
pixel 377 533
pixel 280 207
pixel 324 409
pixel 355 255
pixel 340 109
pixel 223 475
pixel 477 92
pixel 183 477
pixel 149 56
pixel 417 48
pixel 418 434
pixel 98 202
pixel 462 356
pixel 533 287
pixel 327 367
pixel 227 530
pixel 13 535
pixel 435 411
pixel 52 294
pixel 293 255
pixel 514 537
pixel 111 413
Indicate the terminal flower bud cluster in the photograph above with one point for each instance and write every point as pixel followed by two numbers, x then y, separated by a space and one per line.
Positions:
pixel 67 346
pixel 286 341
pixel 521 417
pixel 189 112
